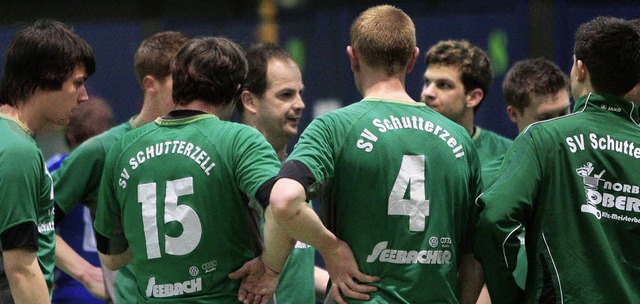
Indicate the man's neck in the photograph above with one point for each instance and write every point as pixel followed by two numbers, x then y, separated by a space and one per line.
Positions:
pixel 151 109
pixel 466 121
pixel 220 111
pixel 376 84
pixel 24 116
pixel 279 145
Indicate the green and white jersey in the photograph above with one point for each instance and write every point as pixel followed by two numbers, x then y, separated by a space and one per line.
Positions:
pixel 172 192
pixel 399 181
pixel 296 282
pixel 26 197
pixel 77 182
pixel 491 148
pixel 78 178
pixel 573 183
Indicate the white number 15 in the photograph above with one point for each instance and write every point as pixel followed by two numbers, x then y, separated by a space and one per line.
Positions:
pixel 185 215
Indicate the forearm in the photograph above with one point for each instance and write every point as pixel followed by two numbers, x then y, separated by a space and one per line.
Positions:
pixel 71 262
pixel 297 218
pixel 470 280
pixel 321 282
pixel 278 244
pixel 25 277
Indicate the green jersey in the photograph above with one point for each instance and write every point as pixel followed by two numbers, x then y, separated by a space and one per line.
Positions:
pixel 26 199
pixel 573 183
pixel 399 181
pixel 296 281
pixel 172 191
pixel 491 148
pixel 77 182
pixel 78 178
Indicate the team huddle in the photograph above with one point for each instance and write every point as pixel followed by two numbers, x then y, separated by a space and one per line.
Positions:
pixel 417 203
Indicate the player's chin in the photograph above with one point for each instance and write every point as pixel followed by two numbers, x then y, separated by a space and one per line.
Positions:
pixel 62 122
pixel 291 130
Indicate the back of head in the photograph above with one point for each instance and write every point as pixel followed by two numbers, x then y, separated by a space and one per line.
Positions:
pixel 258 57
pixel 634 94
pixel 536 76
pixel 211 69
pixel 610 49
pixel 90 119
pixel 474 64
pixel 42 56
pixel 154 54
pixel 384 37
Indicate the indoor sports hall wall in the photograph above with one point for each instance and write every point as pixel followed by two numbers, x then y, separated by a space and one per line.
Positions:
pixel 508 30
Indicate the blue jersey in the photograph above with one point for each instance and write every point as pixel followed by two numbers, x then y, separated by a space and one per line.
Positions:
pixel 77 230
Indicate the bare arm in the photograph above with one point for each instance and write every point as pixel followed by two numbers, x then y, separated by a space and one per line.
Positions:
pixel 320 279
pixel 300 221
pixel 25 276
pixel 116 261
pixel 78 268
pixel 260 275
pixel 470 280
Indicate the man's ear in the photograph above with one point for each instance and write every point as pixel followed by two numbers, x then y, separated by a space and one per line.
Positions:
pixel 353 59
pixel 513 113
pixel 149 84
pixel 474 97
pixel 249 101
pixel 413 60
pixel 581 71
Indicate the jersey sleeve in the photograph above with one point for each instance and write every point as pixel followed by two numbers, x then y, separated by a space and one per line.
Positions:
pixel 475 189
pixel 19 197
pixel 108 223
pixel 79 176
pixel 315 149
pixel 505 203
pixel 256 163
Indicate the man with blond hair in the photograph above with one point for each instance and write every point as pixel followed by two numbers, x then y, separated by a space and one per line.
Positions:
pixel 383 243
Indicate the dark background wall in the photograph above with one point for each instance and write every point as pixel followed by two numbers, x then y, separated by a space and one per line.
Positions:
pixel 316 32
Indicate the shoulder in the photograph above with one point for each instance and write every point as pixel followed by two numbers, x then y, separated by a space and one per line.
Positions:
pixel 105 140
pixel 17 148
pixel 490 136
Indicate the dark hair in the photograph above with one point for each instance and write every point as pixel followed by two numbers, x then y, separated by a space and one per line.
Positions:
pixel 91 118
pixel 474 63
pixel 258 57
pixel 42 56
pixel 154 54
pixel 610 49
pixel 537 76
pixel 211 69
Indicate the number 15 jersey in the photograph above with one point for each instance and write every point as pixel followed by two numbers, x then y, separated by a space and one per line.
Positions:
pixel 398 181
pixel 171 192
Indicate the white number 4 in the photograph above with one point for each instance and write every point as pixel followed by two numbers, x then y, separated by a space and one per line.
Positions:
pixel 185 215
pixel 411 176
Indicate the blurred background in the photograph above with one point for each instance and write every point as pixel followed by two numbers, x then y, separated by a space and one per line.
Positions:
pixel 317 33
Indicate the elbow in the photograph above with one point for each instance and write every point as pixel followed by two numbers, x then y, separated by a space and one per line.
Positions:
pixel 282 208
pixel 284 199
pixel 110 262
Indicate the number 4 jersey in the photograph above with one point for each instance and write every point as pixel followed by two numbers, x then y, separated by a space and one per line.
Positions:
pixel 171 192
pixel 398 180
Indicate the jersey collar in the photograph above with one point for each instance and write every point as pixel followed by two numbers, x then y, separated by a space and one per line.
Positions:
pixel 610 103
